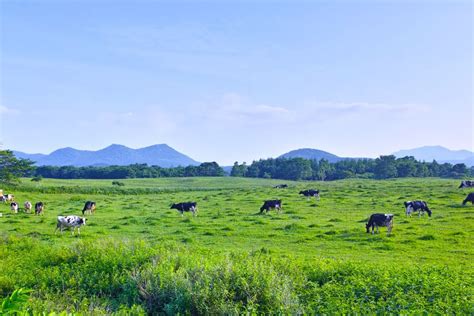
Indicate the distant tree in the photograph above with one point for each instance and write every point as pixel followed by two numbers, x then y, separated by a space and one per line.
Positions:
pixel 37 179
pixel 385 167
pixel 253 170
pixel 459 170
pixel 325 169
pixel 210 169
pixel 12 168
pixel 239 170
pixel 406 167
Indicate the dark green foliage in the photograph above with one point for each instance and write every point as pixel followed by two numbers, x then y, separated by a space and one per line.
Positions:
pixel 12 168
pixel 206 169
pixel 14 303
pixel 37 179
pixel 384 167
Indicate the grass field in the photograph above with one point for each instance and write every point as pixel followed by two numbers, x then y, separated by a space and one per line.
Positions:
pixel 135 255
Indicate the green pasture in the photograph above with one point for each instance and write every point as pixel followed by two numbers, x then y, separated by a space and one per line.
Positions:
pixel 307 241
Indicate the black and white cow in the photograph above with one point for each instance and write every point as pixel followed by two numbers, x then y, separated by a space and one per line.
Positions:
pixel 377 220
pixel 281 186
pixel 70 221
pixel 467 184
pixel 271 204
pixel 7 198
pixel 185 207
pixel 310 193
pixel 39 208
pixel 28 206
pixel 88 207
pixel 469 198
pixel 14 207
pixel 416 206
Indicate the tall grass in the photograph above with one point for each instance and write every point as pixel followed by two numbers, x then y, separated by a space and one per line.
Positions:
pixel 110 276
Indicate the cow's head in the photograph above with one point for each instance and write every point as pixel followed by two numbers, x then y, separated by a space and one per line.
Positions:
pixel 82 221
pixel 367 227
pixel 173 206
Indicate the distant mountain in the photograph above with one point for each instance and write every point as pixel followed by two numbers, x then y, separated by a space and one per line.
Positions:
pixel 160 155
pixel 312 154
pixel 440 154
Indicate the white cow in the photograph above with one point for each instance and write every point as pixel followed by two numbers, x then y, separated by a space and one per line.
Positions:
pixel 28 206
pixel 14 207
pixel 70 221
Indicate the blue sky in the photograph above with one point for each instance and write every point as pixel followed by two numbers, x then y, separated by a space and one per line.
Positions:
pixel 237 80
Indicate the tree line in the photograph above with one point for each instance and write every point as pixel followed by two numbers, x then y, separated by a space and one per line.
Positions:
pixel 384 167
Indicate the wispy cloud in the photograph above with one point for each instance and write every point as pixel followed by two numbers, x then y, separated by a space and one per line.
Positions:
pixel 8 111
pixel 368 107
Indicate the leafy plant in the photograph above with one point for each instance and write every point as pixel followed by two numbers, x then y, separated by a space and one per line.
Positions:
pixel 14 303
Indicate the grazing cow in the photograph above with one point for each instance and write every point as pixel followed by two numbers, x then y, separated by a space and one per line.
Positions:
pixel 28 206
pixel 39 208
pixel 7 198
pixel 281 186
pixel 70 221
pixel 271 204
pixel 185 207
pixel 466 184
pixel 469 198
pixel 89 207
pixel 378 219
pixel 310 193
pixel 420 206
pixel 14 207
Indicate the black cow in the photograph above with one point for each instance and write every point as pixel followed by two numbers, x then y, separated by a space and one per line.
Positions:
pixel 414 206
pixel 466 184
pixel 378 219
pixel 469 198
pixel 281 186
pixel 310 193
pixel 271 204
pixel 89 207
pixel 185 207
pixel 39 208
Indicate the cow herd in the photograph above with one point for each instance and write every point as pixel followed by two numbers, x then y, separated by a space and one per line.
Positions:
pixel 375 220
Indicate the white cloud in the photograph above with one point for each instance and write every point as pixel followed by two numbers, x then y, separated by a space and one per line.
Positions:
pixel 5 110
pixel 368 107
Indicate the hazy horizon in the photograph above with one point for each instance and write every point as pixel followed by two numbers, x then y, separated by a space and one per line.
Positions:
pixel 237 80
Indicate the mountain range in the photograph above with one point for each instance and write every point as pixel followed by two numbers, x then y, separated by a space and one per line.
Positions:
pixel 440 154
pixel 160 155
pixel 164 156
